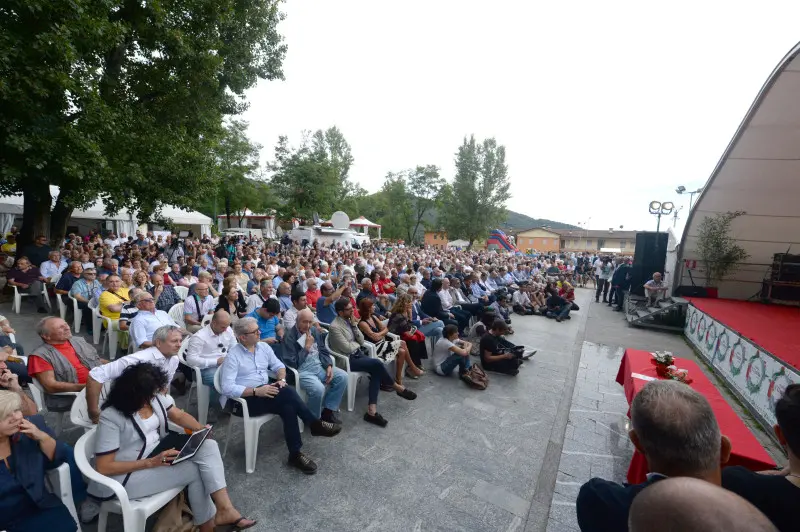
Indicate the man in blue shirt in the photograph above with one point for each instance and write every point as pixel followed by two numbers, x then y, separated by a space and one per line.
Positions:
pixel 245 374
pixel 269 327
pixel 325 310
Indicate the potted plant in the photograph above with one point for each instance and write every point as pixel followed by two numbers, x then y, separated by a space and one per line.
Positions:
pixel 718 251
pixel 663 360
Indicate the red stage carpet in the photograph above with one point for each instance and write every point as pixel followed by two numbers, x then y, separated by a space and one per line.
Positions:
pixel 774 328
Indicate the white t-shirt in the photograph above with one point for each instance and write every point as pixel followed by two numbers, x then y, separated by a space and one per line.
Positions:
pixel 598 267
pixel 442 351
pixel 151 434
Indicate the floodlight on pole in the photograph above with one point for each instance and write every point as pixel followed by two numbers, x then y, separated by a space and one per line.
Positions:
pixel 659 209
pixel 682 190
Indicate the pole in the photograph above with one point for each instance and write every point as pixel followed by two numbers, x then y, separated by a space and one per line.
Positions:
pixel 658 224
pixel 691 197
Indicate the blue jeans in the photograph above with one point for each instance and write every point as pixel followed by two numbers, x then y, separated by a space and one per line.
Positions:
pixel 208 380
pixel 452 362
pixel 377 372
pixel 312 381
pixel 75 477
pixel 433 329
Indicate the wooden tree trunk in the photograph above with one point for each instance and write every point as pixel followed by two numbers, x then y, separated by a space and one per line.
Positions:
pixel 35 211
pixel 58 221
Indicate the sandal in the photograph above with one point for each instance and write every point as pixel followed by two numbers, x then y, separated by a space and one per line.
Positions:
pixel 230 527
pixel 411 375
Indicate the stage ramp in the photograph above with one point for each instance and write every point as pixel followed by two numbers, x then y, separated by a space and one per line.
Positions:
pixel 669 314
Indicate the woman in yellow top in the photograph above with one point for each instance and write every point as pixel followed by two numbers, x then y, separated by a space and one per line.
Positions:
pixel 111 302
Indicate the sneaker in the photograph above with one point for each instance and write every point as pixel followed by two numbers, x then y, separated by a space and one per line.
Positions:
pixel 324 428
pixel 407 394
pixel 375 419
pixel 303 463
pixel 331 416
pixel 529 354
pixel 88 511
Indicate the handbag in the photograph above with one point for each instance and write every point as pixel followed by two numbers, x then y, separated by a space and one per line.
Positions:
pixel 476 377
pixel 176 516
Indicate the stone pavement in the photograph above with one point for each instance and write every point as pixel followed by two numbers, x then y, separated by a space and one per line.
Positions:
pixel 456 458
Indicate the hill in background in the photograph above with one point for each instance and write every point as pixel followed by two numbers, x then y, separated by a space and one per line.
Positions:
pixel 519 222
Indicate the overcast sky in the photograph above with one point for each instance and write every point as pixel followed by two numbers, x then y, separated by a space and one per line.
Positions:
pixel 602 106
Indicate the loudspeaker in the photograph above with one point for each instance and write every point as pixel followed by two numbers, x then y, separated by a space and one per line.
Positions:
pixel 650 256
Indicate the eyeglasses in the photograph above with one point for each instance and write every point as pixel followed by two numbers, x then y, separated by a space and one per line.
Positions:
pixel 222 347
pixel 251 332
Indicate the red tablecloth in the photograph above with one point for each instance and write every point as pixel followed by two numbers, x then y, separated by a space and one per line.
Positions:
pixel 746 450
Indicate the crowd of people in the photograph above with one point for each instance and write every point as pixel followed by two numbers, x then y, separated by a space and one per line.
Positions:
pixel 275 324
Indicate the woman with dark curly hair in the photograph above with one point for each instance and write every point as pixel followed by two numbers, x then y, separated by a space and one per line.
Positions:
pixel 132 423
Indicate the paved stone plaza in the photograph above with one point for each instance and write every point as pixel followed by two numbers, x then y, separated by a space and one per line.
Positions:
pixel 510 458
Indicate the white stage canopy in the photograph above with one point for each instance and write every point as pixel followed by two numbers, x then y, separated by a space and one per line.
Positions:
pixel 759 173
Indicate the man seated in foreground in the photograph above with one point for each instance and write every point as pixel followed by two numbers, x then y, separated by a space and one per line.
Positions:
pixel 62 363
pixel 694 506
pixel 775 492
pixel 675 428
pixel 499 355
pixel 244 373
pixel 316 367
pixel 166 344
pixel 209 346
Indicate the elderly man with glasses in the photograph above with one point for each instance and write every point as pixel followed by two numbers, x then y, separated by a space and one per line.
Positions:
pixel 245 373
pixel 83 291
pixel 209 346
pixel 197 306
pixel 148 320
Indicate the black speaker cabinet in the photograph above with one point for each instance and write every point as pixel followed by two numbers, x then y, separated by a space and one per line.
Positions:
pixel 650 256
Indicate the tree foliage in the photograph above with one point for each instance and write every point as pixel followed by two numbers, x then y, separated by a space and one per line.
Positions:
pixel 718 250
pixel 124 101
pixel 315 176
pixel 474 203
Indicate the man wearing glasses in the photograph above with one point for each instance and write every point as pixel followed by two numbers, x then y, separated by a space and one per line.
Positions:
pixel 245 373
pixel 148 320
pixel 83 290
pixel 208 347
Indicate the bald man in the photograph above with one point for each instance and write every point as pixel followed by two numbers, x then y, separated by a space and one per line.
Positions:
pixel 304 350
pixel 684 504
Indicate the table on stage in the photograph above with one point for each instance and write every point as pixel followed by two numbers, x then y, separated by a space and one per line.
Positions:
pixel 636 370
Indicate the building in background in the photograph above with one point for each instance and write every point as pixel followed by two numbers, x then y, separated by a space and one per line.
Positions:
pixel 437 239
pixel 593 240
pixel 538 238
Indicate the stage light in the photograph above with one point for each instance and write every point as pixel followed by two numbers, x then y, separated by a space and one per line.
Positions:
pixel 667 207
pixel 659 208
pixel 655 207
pixel 681 189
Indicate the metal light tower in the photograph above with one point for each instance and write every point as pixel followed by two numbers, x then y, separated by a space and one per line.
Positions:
pixel 659 209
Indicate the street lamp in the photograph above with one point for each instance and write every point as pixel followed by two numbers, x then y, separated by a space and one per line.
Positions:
pixel 658 208
pixel 682 190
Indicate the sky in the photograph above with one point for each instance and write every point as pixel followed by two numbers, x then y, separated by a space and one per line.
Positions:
pixel 602 106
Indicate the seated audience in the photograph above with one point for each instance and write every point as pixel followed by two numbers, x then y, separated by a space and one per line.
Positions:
pixel 269 324
pixel 496 355
pixel 567 292
pixel 10 382
pixel 164 294
pixel 325 304
pixel 129 310
pixel 29 449
pixel 386 348
pixel 133 431
pixel 166 344
pixel 198 306
pixel 313 292
pixel 347 339
pixel 53 266
pixel 431 304
pixel 148 320
pixel 675 428
pixel 401 325
pixel 62 363
pixel 244 374
pixel 451 353
pixel 775 492
pixel 83 291
pixel 699 506
pixel 28 280
pixel 557 306
pixel 208 347
pixel 257 300
pixel 319 376
pixel 430 327
pixel 298 304
pixel 232 301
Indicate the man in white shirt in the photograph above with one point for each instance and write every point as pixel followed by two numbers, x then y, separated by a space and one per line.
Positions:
pixel 257 300
pixel 197 306
pixel 298 303
pixel 167 342
pixel 208 347
pixel 148 320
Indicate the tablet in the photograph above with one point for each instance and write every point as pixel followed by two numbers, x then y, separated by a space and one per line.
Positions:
pixel 192 445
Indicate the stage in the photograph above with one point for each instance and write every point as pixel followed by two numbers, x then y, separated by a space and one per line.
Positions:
pixel 754 347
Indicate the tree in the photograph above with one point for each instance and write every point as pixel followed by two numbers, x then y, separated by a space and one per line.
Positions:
pixel 475 202
pixel 425 188
pixel 718 250
pixel 314 177
pixel 123 101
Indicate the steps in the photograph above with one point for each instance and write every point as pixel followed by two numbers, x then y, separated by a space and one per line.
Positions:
pixel 669 314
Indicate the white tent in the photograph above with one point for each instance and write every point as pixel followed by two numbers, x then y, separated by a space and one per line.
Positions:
pixel 759 173
pixel 11 207
pixel 365 225
pixel 458 244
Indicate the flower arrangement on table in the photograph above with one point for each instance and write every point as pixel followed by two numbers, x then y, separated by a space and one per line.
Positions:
pixel 666 369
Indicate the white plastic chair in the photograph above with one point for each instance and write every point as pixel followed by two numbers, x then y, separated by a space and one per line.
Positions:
pixel 62 307
pixel 53 281
pixel 79 413
pixel 77 315
pixel 251 427
pixel 203 390
pixel 111 338
pixel 97 323
pixel 176 313
pixel 38 393
pixel 60 485
pixel 183 291
pixel 134 511
pixel 17 304
pixel 352 376
pixel 133 345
